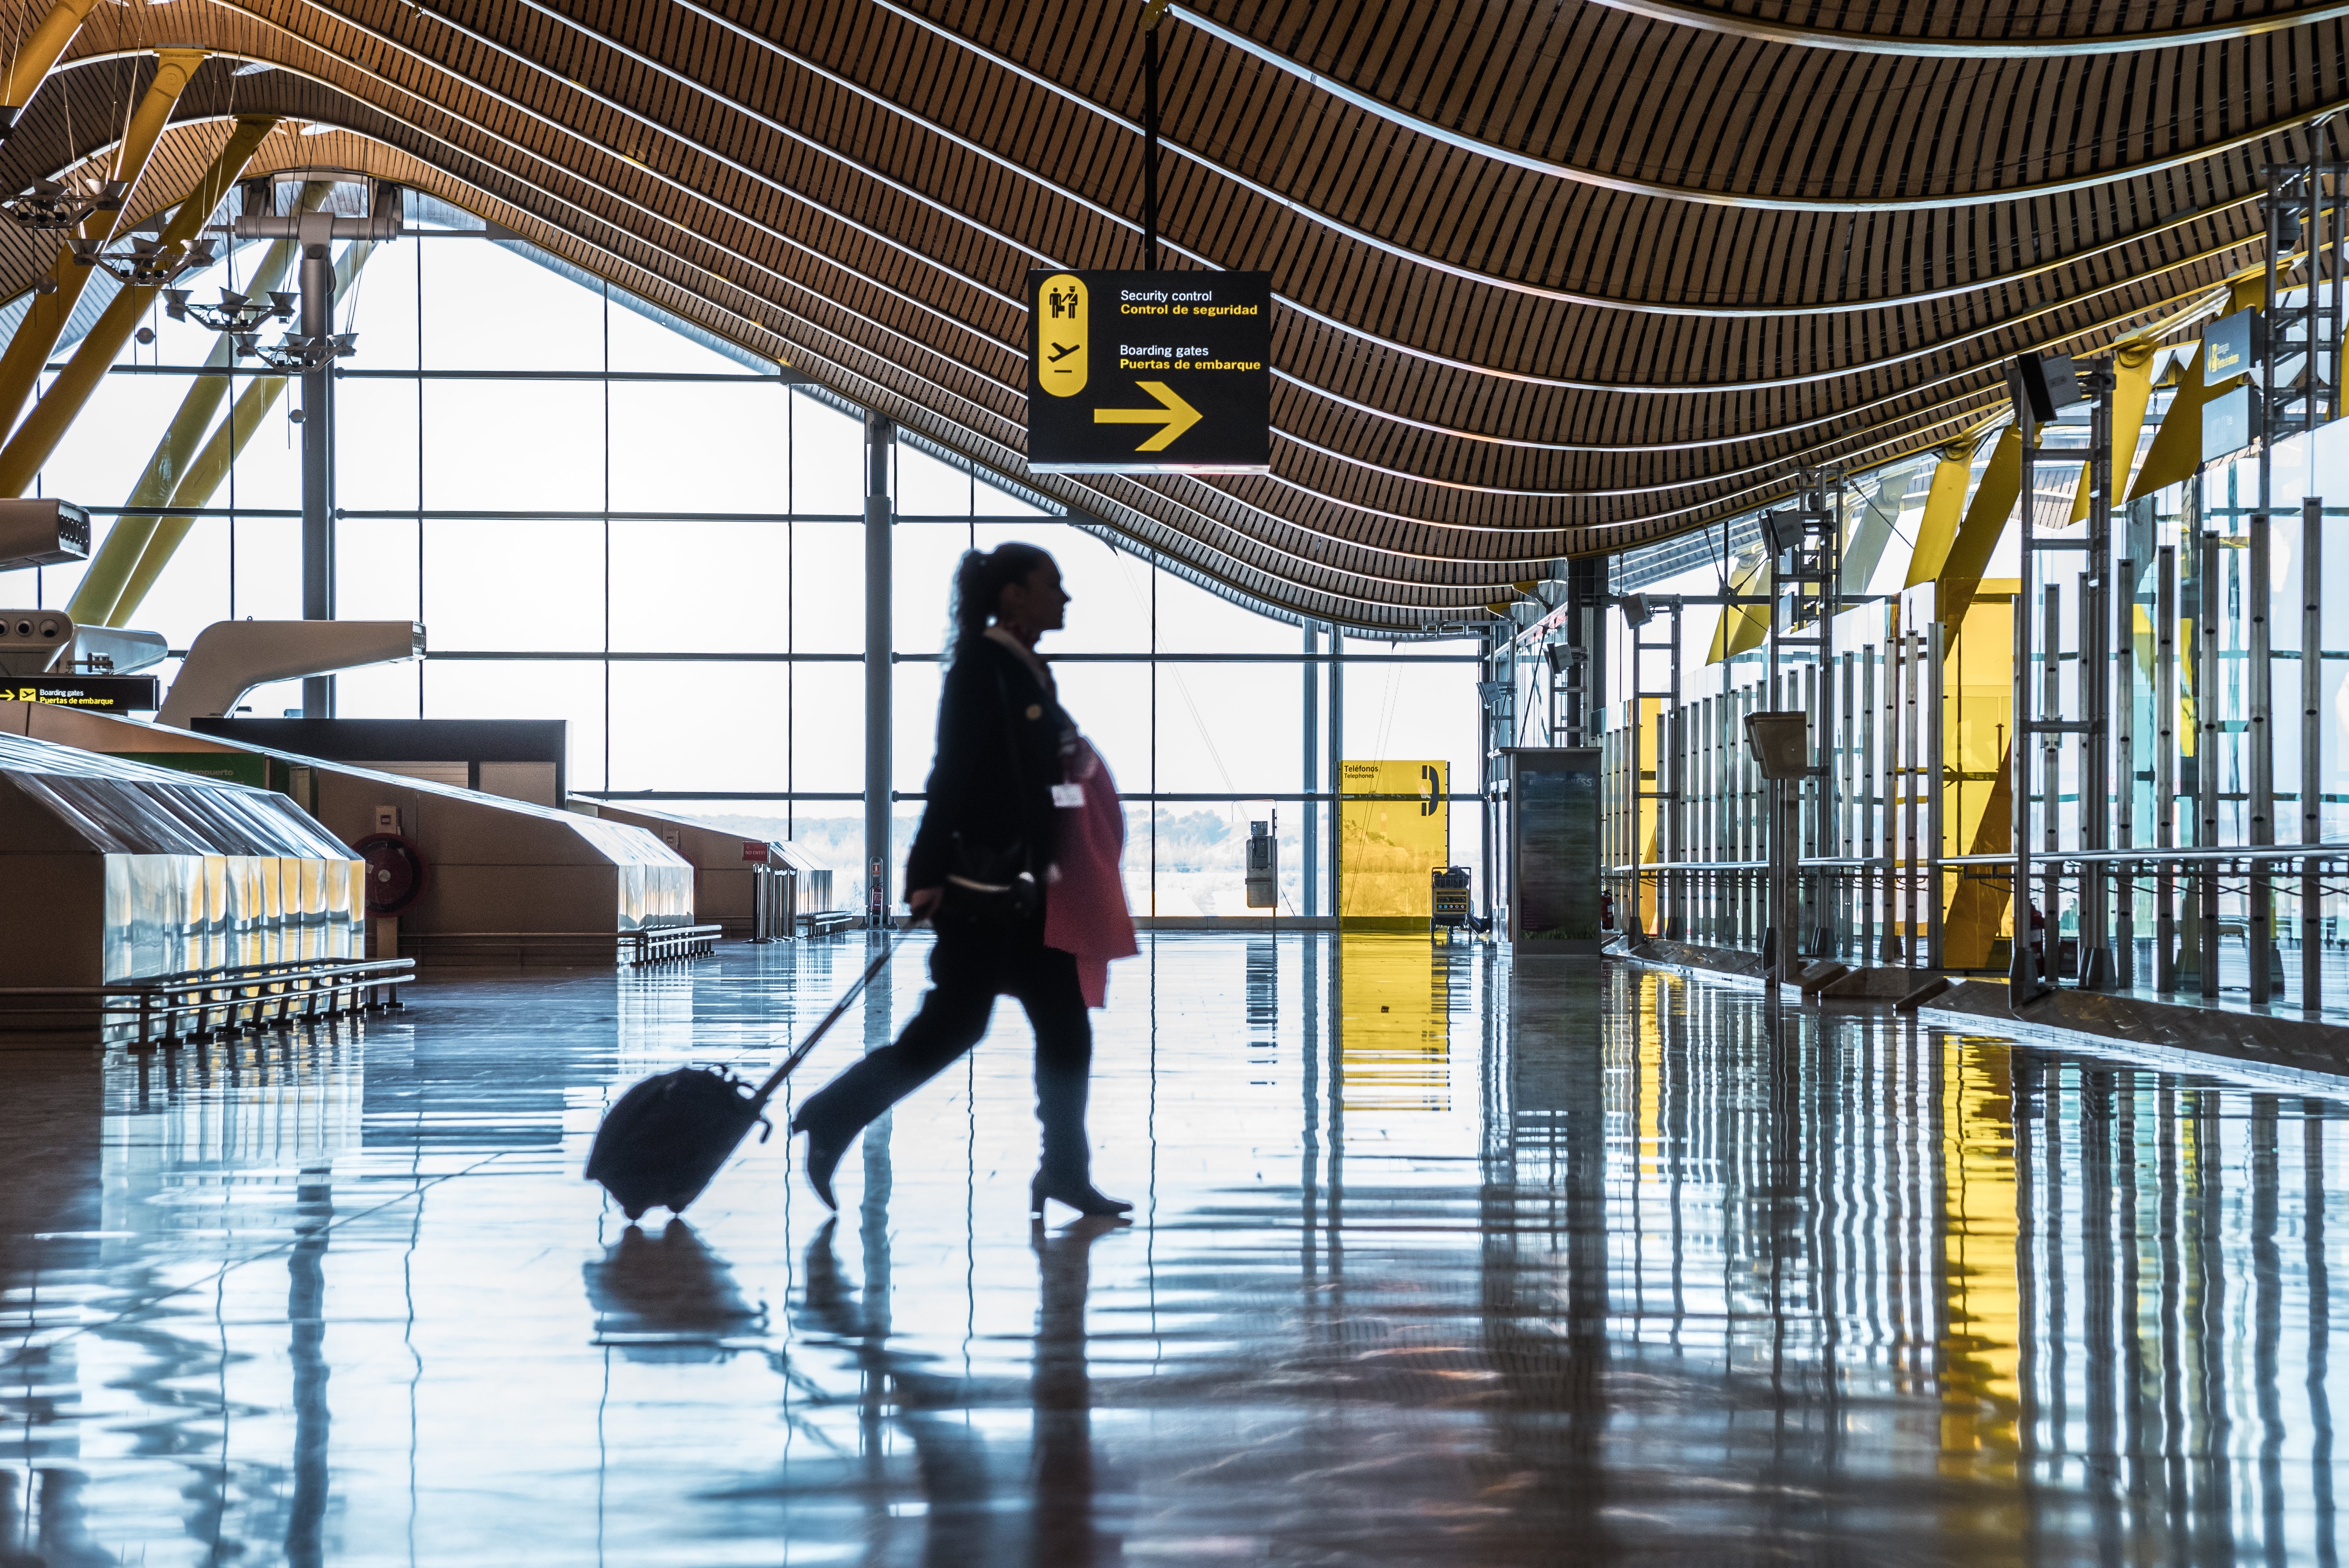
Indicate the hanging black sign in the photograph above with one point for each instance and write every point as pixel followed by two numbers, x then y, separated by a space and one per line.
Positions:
pixel 1149 372
pixel 100 694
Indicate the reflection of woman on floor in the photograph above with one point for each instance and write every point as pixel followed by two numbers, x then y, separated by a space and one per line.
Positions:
pixel 1016 865
pixel 951 1454
pixel 1062 1531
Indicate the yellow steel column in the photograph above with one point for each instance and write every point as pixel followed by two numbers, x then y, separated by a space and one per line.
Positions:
pixel 204 477
pixel 30 66
pixel 205 474
pixel 45 320
pixel 93 602
pixel 30 447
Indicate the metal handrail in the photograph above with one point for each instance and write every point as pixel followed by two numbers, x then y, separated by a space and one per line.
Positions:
pixel 653 943
pixel 164 998
pixel 2148 855
pixel 2184 856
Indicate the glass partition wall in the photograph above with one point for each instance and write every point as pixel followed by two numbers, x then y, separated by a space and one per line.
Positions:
pixel 605 516
pixel 2142 807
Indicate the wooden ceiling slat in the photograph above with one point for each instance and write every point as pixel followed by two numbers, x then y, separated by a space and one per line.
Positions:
pixel 839 222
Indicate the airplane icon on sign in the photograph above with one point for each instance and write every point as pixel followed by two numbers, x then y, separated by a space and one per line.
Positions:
pixel 1062 350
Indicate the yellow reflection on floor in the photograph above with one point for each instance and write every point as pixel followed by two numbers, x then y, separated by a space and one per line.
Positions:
pixel 1394 997
pixel 1981 1299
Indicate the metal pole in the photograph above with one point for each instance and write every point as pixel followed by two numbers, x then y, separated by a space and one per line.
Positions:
pixel 2164 765
pixel 1870 774
pixel 1896 794
pixel 1310 821
pixel 1847 813
pixel 2257 597
pixel 1337 737
pixel 2312 749
pixel 1789 913
pixel 319 459
pixel 1813 786
pixel 2206 599
pixel 2097 792
pixel 1150 145
pixel 880 440
pixel 1934 848
pixel 1912 766
pixel 1675 882
pixel 2023 980
pixel 2051 675
pixel 2125 747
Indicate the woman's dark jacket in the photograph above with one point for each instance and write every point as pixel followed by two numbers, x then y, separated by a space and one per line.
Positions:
pixel 991 782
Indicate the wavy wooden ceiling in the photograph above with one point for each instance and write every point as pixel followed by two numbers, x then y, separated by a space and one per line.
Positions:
pixel 1554 277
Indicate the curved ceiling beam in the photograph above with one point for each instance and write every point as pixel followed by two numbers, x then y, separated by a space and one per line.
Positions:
pixel 1682 15
pixel 1661 191
pixel 1045 258
pixel 1812 456
pixel 30 65
pixel 1436 524
pixel 1014 352
pixel 1638 389
pixel 1701 309
pixel 1317 541
pixel 1018 303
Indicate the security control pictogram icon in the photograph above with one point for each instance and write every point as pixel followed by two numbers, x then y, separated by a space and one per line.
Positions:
pixel 1149 372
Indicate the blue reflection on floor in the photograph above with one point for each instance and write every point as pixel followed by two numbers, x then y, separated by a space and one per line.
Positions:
pixel 1439 1258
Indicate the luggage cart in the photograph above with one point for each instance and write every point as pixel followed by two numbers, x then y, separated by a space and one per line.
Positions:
pixel 1450 909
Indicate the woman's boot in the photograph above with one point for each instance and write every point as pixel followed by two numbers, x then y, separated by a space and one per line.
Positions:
pixel 1066 1172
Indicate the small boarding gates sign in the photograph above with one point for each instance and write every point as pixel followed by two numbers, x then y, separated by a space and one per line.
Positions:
pixel 1149 372
pixel 99 694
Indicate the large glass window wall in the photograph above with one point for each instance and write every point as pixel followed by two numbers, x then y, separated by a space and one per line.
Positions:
pixel 604 517
pixel 2179 681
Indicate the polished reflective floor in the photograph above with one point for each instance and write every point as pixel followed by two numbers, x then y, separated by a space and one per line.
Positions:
pixel 1438 1258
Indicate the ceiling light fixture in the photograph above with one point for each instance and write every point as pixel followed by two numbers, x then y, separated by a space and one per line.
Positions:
pixel 296 351
pixel 237 314
pixel 46 205
pixel 148 263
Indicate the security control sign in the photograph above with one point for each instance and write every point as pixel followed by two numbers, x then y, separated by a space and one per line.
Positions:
pixel 1145 373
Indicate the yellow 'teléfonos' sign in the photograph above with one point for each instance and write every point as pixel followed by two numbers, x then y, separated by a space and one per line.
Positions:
pixel 1393 830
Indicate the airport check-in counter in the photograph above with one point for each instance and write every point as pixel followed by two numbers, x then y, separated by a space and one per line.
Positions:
pixel 506 884
pixel 729 868
pixel 115 871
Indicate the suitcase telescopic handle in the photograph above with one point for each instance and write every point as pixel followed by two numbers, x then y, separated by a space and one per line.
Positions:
pixel 798 1052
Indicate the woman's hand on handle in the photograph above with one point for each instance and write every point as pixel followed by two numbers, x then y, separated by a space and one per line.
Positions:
pixel 922 901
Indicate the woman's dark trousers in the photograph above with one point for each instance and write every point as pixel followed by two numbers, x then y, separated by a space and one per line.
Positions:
pixel 967 974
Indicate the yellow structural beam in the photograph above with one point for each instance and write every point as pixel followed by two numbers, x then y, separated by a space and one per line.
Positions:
pixel 2176 450
pixel 1960 576
pixel 203 476
pixel 1742 627
pixel 45 319
pixel 1945 504
pixel 30 65
pixel 39 435
pixel 102 585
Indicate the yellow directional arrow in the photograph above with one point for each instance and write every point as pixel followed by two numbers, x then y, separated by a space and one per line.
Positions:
pixel 1172 412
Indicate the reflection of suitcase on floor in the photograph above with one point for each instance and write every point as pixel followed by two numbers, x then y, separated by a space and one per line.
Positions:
pixel 1450 908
